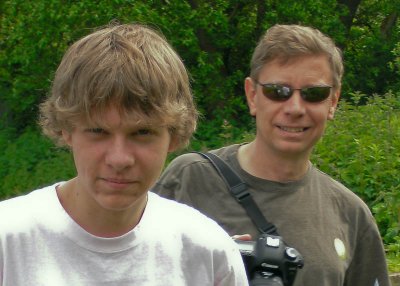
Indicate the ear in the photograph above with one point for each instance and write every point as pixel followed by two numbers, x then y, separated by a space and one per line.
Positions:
pixel 251 91
pixel 334 102
pixel 173 143
pixel 67 137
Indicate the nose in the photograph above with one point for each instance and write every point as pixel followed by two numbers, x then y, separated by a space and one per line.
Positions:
pixel 120 155
pixel 294 106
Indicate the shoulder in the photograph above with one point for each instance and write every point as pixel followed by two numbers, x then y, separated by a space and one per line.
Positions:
pixel 336 188
pixel 346 200
pixel 194 157
pixel 23 209
pixel 197 240
pixel 176 210
pixel 186 160
pixel 227 151
pixel 187 168
pixel 195 160
pixel 185 220
pixel 23 201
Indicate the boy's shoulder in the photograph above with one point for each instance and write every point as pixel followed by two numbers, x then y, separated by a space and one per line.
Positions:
pixel 23 210
pixel 184 219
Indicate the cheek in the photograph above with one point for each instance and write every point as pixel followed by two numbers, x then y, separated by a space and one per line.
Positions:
pixel 267 111
pixel 85 160
pixel 81 163
pixel 150 166
pixel 328 114
pixel 154 157
pixel 320 122
pixel 257 107
pixel 321 113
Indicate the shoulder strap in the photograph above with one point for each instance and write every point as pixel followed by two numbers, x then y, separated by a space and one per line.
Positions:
pixel 238 189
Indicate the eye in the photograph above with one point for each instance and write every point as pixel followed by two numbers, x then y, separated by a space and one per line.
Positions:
pixel 144 131
pixel 96 130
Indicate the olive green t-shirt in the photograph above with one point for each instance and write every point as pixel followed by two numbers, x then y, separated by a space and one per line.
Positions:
pixel 328 224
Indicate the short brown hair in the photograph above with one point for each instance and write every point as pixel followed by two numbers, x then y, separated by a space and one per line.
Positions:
pixel 285 42
pixel 129 66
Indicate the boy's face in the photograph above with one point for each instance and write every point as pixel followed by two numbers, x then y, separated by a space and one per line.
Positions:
pixel 117 162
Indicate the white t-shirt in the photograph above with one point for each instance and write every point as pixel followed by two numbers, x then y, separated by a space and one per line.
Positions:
pixel 173 244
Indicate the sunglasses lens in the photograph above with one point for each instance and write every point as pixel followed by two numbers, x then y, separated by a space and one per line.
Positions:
pixel 316 93
pixel 276 92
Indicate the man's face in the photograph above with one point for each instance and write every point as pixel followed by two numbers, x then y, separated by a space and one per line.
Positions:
pixel 118 161
pixel 291 127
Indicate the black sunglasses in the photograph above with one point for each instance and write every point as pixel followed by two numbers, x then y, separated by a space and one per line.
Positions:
pixel 277 92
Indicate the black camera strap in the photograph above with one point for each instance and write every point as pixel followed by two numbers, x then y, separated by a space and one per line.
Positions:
pixel 239 191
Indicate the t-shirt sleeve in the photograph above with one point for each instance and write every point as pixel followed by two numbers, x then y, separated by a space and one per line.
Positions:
pixel 174 182
pixel 368 266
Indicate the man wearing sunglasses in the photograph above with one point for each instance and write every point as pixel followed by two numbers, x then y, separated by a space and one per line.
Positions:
pixel 292 91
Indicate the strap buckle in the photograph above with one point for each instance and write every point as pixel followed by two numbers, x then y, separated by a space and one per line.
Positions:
pixel 240 191
pixel 271 229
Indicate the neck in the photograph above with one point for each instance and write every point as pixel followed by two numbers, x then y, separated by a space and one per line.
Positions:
pixel 266 164
pixel 95 219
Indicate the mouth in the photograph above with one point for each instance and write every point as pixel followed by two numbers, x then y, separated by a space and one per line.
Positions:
pixel 118 181
pixel 293 129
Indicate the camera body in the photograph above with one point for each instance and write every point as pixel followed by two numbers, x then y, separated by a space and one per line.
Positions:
pixel 269 261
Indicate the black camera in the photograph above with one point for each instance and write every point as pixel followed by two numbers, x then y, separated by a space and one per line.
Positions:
pixel 269 261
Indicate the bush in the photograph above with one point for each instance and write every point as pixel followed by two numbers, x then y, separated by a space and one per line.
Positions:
pixel 30 161
pixel 361 149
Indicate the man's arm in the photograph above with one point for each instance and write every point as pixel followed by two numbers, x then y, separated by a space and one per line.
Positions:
pixel 368 267
pixel 176 179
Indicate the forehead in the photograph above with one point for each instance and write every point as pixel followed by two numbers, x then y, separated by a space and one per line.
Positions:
pixel 113 117
pixel 303 68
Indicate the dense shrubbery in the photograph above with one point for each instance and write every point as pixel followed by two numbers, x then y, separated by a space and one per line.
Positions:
pixel 361 148
pixel 214 38
pixel 30 161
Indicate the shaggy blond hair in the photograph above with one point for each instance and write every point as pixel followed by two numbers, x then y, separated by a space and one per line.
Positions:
pixel 131 67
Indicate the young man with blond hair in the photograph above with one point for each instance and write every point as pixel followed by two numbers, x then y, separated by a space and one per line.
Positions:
pixel 120 101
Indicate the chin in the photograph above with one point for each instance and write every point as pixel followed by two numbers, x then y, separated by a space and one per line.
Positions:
pixel 119 203
pixel 293 150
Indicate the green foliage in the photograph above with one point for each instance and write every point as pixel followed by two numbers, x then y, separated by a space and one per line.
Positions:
pixel 395 64
pixel 369 48
pixel 361 149
pixel 30 161
pixel 215 39
pixel 393 260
